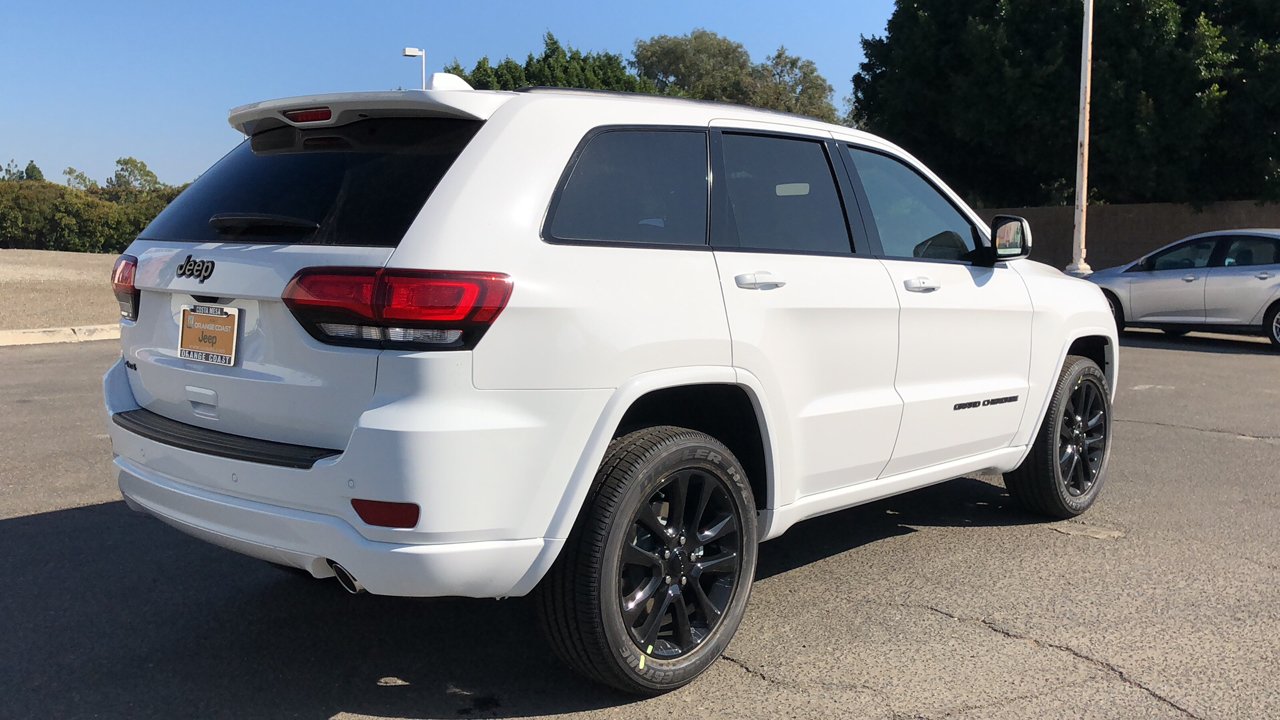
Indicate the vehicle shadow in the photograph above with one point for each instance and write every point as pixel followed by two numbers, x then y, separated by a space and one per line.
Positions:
pixel 108 613
pixel 1217 344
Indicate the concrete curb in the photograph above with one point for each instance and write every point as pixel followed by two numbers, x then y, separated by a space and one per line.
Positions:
pixel 41 336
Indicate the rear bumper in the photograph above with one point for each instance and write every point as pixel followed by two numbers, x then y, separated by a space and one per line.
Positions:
pixel 308 540
pixel 489 470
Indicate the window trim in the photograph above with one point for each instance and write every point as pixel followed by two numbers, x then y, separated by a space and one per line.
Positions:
pixel 544 231
pixel 979 238
pixel 719 194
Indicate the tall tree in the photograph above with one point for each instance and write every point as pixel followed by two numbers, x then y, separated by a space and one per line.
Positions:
pixel 700 65
pixel 555 66
pixel 32 171
pixel 707 66
pixel 985 91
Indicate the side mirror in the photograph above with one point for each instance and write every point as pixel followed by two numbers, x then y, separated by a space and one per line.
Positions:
pixel 1011 237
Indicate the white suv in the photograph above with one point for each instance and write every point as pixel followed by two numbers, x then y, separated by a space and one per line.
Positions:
pixel 589 346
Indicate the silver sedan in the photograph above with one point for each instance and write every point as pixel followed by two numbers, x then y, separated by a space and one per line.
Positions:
pixel 1224 281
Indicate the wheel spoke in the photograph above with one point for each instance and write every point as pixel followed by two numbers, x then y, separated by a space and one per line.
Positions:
pixel 1096 420
pixel 677 494
pixel 681 628
pixel 1069 473
pixel 700 509
pixel 649 519
pixel 634 604
pixel 653 623
pixel 710 612
pixel 632 555
pixel 1082 479
pixel 725 562
pixel 723 527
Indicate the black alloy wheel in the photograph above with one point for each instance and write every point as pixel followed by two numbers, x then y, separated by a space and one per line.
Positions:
pixel 1082 438
pixel 655 577
pixel 1065 469
pixel 680 564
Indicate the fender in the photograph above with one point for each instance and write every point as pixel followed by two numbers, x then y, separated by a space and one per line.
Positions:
pixel 1031 422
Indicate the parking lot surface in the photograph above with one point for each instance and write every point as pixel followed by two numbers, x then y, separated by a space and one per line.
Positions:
pixel 1161 602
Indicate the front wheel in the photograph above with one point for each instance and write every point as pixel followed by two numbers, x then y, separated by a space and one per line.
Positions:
pixel 654 579
pixel 1068 462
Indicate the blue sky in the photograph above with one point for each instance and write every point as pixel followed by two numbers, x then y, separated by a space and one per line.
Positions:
pixel 83 83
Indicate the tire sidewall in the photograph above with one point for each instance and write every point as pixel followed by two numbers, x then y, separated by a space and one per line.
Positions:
pixel 656 673
pixel 1082 372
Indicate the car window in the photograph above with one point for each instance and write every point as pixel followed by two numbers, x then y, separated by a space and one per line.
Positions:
pixel 915 220
pixel 636 186
pixel 357 184
pixel 1187 256
pixel 1245 251
pixel 780 194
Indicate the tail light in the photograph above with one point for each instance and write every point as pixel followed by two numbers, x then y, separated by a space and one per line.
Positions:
pixel 123 276
pixel 410 309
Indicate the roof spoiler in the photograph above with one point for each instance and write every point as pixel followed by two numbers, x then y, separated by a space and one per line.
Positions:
pixel 446 96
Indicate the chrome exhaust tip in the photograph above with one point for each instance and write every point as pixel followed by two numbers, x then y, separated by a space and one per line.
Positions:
pixel 346 579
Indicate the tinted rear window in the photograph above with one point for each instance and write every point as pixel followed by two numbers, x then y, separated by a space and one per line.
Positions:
pixel 636 186
pixel 359 184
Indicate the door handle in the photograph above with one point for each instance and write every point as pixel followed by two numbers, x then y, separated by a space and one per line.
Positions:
pixel 922 284
pixel 759 280
pixel 1264 275
pixel 1188 278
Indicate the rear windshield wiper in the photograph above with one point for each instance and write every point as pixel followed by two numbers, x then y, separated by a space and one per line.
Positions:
pixel 228 222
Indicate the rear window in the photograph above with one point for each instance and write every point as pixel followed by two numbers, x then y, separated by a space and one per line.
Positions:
pixel 358 184
pixel 636 186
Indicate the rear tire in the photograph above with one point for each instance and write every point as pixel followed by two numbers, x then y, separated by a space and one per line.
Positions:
pixel 1064 473
pixel 1271 324
pixel 655 576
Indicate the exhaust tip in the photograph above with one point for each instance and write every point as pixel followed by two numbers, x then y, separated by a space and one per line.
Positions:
pixel 346 579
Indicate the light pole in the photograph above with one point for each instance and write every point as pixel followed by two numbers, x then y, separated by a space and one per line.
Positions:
pixel 419 53
pixel 1078 265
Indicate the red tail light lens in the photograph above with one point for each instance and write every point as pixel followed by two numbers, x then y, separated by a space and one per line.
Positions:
pixel 387 514
pixel 306 115
pixel 370 307
pixel 123 277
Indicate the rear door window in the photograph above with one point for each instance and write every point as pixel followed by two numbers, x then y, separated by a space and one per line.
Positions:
pixel 1246 251
pixel 635 186
pixel 780 195
pixel 357 184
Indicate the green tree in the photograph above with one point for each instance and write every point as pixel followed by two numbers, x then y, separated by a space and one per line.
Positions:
pixel 700 65
pixel 555 66
pixel 985 92
pixel 32 172
pixel 707 66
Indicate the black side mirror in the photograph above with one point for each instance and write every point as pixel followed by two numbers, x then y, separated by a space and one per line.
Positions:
pixel 1010 239
pixel 1011 236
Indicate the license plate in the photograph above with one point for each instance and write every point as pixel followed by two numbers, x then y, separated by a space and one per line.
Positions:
pixel 209 333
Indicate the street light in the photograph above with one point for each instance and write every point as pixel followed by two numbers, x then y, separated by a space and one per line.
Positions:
pixel 1078 266
pixel 419 53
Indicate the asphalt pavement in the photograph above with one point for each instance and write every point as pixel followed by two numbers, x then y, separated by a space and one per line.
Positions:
pixel 1161 602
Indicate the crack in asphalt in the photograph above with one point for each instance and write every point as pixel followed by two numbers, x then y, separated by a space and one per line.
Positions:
pixel 1103 665
pixel 1215 431
pixel 750 670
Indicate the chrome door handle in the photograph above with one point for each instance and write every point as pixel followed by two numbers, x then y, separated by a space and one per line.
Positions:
pixel 922 284
pixel 759 280
pixel 1264 275
pixel 1188 278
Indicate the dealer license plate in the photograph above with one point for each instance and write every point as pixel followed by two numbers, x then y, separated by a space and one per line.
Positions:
pixel 208 334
